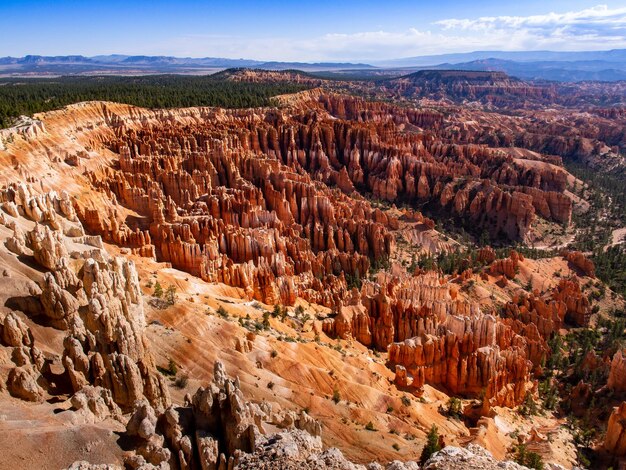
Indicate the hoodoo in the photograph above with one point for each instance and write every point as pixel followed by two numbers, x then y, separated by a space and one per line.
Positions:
pixel 268 269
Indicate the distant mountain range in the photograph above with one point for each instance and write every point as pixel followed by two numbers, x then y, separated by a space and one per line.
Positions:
pixel 562 71
pixel 123 64
pixel 538 65
pixel 535 65
pixel 613 56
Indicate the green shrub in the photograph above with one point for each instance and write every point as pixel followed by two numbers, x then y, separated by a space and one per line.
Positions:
pixel 170 295
pixel 181 381
pixel 277 311
pixel 158 290
pixel 529 407
pixel 221 311
pixel 432 444
pixel 171 369
pixel 528 459
pixel 455 408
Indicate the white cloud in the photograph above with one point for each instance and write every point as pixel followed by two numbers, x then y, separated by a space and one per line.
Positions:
pixel 597 28
pixel 599 17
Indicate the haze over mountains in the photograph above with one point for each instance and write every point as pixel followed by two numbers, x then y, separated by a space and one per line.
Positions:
pixel 547 65
pixel 124 64
pixel 612 56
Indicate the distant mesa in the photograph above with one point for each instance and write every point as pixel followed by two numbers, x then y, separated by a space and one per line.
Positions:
pixel 533 65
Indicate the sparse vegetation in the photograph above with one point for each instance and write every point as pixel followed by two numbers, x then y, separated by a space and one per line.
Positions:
pixel 170 295
pixel 607 199
pixel 527 458
pixel 529 407
pixel 181 381
pixel 158 290
pixel 277 311
pixel 455 408
pixel 171 369
pixel 221 311
pixel 548 391
pixel 432 444
pixel 354 280
pixel 379 264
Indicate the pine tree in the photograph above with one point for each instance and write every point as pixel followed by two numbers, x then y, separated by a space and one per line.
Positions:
pixel 158 290
pixel 170 295
pixel 455 408
pixel 276 311
pixel 432 444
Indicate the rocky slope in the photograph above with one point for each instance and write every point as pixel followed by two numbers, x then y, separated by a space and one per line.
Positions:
pixel 209 193
pixel 491 88
pixel 83 291
pixel 304 207
pixel 578 122
pixel 243 205
pixel 77 337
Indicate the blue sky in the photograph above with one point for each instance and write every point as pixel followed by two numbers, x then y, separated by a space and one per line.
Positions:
pixel 306 30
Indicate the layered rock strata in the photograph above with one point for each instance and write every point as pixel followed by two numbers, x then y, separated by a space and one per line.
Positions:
pixel 268 200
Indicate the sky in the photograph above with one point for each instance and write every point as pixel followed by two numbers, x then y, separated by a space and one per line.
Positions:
pixel 306 30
